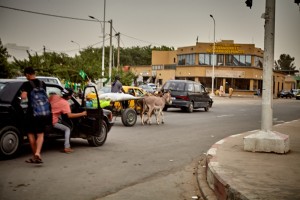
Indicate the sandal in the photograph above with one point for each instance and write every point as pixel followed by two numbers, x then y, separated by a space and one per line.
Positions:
pixel 30 160
pixel 37 159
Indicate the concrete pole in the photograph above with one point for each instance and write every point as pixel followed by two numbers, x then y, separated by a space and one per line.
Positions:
pixel 213 59
pixel 110 53
pixel 118 56
pixel 268 63
pixel 265 140
pixel 103 46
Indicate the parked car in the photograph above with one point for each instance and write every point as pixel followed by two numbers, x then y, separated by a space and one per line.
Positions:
pixel 153 86
pixel 298 96
pixel 187 95
pixel 46 79
pixel 94 127
pixel 147 88
pixel 285 94
pixel 295 92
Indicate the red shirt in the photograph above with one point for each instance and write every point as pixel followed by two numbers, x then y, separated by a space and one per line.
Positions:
pixel 59 106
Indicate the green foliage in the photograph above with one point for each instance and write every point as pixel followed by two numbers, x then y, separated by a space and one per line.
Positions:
pixel 4 65
pixel 285 63
pixel 89 60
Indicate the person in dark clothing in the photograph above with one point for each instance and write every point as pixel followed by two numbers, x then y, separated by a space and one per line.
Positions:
pixel 35 126
pixel 118 88
pixel 117 85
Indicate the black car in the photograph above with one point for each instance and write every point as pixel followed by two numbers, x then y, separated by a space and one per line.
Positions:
pixel 285 94
pixel 187 95
pixel 94 127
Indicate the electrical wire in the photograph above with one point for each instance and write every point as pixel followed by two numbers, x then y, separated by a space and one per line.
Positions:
pixel 81 19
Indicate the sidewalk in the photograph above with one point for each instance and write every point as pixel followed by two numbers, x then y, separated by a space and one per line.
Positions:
pixel 233 173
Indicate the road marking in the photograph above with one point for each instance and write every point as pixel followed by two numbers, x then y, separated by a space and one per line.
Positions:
pixel 224 115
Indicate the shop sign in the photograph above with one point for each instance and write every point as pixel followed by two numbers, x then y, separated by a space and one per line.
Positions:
pixel 226 49
pixel 226 73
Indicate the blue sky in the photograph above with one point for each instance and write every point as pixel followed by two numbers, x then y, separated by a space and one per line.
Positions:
pixel 174 23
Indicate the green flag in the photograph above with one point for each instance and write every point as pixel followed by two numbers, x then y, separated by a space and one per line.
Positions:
pixel 82 74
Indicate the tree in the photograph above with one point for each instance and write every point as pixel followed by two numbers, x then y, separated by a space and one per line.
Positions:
pixel 285 63
pixel 4 65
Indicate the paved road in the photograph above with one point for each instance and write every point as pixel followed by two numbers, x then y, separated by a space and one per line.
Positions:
pixel 140 162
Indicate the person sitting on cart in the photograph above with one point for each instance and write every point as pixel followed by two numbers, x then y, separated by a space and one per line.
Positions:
pixel 117 87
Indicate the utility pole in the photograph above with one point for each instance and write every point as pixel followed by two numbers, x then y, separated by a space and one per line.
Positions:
pixel 265 140
pixel 110 53
pixel 118 57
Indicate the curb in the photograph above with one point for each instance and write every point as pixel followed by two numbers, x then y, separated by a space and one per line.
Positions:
pixel 221 189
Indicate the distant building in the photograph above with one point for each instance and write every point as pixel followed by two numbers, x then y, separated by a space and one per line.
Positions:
pixel 19 52
pixel 239 66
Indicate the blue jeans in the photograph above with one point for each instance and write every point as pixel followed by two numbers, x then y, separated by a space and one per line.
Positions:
pixel 67 133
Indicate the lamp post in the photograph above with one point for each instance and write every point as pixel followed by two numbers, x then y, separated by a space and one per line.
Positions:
pixel 103 42
pixel 77 44
pixel 213 59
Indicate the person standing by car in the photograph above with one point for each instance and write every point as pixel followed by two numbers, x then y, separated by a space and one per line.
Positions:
pixel 35 124
pixel 60 105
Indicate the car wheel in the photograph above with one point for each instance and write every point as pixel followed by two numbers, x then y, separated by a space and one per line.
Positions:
pixel 97 141
pixel 210 103
pixel 206 108
pixel 9 142
pixel 129 117
pixel 190 109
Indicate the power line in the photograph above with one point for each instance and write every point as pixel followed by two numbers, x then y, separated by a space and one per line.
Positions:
pixel 74 18
pixel 51 15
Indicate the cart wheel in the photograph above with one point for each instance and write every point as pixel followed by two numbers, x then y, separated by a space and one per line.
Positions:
pixel 129 117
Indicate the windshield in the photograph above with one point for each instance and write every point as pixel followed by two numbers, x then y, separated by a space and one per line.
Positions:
pixel 175 86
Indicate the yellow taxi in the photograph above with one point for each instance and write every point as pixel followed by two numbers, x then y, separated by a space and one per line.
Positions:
pixel 134 91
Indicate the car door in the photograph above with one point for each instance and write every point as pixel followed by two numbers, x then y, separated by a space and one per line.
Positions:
pixel 204 96
pixel 92 123
pixel 197 96
pixel 191 92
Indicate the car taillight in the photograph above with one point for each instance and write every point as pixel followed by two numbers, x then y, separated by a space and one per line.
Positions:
pixel 110 116
pixel 186 98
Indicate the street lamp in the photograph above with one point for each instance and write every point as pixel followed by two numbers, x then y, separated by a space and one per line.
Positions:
pixel 213 59
pixel 103 42
pixel 77 44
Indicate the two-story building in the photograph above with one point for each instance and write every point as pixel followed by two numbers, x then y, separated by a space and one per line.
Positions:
pixel 239 66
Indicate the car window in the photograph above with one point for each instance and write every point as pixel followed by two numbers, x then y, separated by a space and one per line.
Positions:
pixel 138 93
pixel 197 88
pixel 190 87
pixel 2 85
pixel 131 91
pixel 53 90
pixel 202 89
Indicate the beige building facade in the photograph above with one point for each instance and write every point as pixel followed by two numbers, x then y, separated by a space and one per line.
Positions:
pixel 237 66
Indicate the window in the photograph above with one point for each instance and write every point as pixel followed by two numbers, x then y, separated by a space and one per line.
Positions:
pixel 203 89
pixel 220 58
pixel 258 62
pixel 228 60
pixel 206 59
pixel 190 87
pixel 248 60
pixel 188 59
pixel 197 88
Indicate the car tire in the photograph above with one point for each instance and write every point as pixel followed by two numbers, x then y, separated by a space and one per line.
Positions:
pixel 97 141
pixel 129 117
pixel 9 142
pixel 206 109
pixel 190 109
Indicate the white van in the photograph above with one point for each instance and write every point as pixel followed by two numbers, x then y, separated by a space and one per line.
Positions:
pixel 46 79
